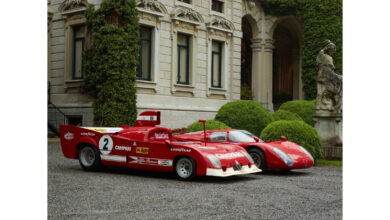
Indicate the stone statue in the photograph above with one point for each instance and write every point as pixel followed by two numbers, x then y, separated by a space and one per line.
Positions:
pixel 329 84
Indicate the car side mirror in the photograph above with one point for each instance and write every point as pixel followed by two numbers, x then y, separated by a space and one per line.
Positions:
pixel 268 141
pixel 168 143
pixel 283 138
pixel 256 139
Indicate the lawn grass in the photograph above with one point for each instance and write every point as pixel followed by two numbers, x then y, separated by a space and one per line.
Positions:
pixel 329 162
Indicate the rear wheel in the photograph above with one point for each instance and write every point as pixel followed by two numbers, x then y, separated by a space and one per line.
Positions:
pixel 258 157
pixel 89 158
pixel 185 168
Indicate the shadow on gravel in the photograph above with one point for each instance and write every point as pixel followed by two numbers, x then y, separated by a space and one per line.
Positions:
pixel 164 175
pixel 284 173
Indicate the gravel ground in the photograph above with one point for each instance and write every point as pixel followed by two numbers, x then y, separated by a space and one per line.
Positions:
pixel 118 193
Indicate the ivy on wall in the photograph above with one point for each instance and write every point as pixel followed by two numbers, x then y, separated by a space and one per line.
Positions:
pixel 111 60
pixel 322 20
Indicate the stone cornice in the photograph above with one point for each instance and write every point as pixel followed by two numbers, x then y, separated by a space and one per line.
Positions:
pixel 152 7
pixel 187 15
pixel 221 24
pixel 72 6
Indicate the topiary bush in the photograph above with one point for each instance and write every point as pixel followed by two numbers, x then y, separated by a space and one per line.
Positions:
pixel 111 61
pixel 295 131
pixel 285 115
pixel 210 125
pixel 244 114
pixel 305 109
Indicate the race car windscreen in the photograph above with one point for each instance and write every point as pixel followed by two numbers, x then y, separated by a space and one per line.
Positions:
pixel 242 136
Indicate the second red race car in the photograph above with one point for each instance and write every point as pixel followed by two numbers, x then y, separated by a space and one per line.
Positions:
pixel 148 147
pixel 278 155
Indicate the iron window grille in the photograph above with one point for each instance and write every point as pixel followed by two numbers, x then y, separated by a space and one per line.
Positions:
pixel 181 50
pixel 76 40
pixel 145 54
pixel 216 56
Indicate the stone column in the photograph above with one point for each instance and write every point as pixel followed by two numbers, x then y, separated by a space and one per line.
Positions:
pixel 267 72
pixel 262 71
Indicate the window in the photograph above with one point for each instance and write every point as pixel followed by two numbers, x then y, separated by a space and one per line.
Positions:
pixel 145 54
pixel 216 64
pixel 185 1
pixel 218 137
pixel 183 59
pixel 217 5
pixel 78 49
pixel 75 120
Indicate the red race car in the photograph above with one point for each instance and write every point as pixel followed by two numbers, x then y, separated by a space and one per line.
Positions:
pixel 279 155
pixel 147 147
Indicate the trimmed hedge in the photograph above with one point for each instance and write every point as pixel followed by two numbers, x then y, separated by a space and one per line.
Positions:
pixel 305 109
pixel 210 125
pixel 244 114
pixel 111 61
pixel 295 131
pixel 322 20
pixel 285 115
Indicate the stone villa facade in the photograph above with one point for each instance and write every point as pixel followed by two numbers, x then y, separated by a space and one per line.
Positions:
pixel 195 56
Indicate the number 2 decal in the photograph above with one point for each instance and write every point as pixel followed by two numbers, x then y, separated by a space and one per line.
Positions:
pixel 105 144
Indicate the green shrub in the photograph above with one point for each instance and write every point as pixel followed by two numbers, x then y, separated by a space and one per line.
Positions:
pixel 111 61
pixel 246 92
pixel 295 131
pixel 322 20
pixel 244 114
pixel 305 109
pixel 285 115
pixel 210 125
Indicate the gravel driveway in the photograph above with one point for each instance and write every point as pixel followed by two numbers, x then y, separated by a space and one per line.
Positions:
pixel 117 193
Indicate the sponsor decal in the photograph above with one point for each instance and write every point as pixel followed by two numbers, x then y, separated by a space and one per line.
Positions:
pixel 210 148
pixel 126 148
pixel 106 144
pixel 98 129
pixel 161 136
pixel 142 150
pixel 69 136
pixel 180 149
pixel 147 118
pixel 230 155
pixel 87 134
pixel 149 161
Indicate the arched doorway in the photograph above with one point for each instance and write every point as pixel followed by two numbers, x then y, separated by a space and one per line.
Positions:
pixel 286 62
pixel 246 60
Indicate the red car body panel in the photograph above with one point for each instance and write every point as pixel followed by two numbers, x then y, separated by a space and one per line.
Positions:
pixel 147 147
pixel 301 159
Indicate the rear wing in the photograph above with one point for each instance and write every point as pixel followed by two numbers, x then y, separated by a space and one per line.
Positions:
pixel 148 118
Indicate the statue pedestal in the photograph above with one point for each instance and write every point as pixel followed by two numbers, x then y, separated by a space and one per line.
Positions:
pixel 329 126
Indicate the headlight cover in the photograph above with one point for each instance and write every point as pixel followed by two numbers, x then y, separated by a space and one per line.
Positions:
pixel 287 160
pixel 306 152
pixel 249 157
pixel 214 160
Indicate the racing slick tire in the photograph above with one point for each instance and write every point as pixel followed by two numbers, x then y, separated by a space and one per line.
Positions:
pixel 89 158
pixel 185 168
pixel 258 157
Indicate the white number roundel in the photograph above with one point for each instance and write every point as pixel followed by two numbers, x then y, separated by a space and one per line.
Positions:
pixel 105 144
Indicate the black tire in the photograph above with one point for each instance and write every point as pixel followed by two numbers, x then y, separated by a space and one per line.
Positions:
pixel 258 157
pixel 89 158
pixel 185 168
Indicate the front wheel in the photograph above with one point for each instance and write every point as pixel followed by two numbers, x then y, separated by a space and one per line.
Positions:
pixel 258 157
pixel 89 158
pixel 185 168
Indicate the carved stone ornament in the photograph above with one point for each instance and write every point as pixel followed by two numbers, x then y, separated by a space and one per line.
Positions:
pixel 329 84
pixel 221 24
pixel 71 5
pixel 187 15
pixel 152 7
